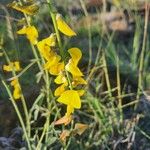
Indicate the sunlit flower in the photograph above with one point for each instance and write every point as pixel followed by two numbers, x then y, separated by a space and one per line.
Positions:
pixel 44 46
pixel 31 33
pixel 70 98
pixel 63 27
pixel 72 67
pixel 17 91
pixel 60 78
pixel 29 10
pixel 13 66
pixel 60 90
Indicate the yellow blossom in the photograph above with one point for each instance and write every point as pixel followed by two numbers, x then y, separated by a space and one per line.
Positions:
pixel 44 46
pixel 57 68
pixel 60 90
pixel 31 33
pixel 60 78
pixel 63 27
pixel 70 98
pixel 72 67
pixel 17 91
pixel 53 60
pixel 29 10
pixel 12 66
pixel 75 54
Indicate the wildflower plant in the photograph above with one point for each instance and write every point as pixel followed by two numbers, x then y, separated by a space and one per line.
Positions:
pixel 54 68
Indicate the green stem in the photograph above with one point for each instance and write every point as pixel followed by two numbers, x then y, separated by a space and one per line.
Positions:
pixel 53 16
pixel 18 113
pixel 140 79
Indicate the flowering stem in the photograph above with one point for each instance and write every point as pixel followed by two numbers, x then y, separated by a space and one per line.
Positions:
pixel 22 97
pixel 53 16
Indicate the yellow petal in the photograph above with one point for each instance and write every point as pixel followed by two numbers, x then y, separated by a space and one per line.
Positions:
pixel 13 66
pixel 29 10
pixel 73 69
pixel 60 78
pixel 31 33
pixel 71 98
pixel 14 82
pixel 51 40
pixel 60 90
pixel 70 110
pixel 75 54
pixel 53 61
pixel 56 69
pixel 63 27
pixel 17 93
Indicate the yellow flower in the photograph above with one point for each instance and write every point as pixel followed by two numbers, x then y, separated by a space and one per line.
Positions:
pixel 70 98
pixel 53 60
pixel 60 78
pixel 75 54
pixel 60 90
pixel 45 45
pixel 31 33
pixel 63 27
pixel 17 91
pixel 29 10
pixel 57 68
pixel 71 67
pixel 12 66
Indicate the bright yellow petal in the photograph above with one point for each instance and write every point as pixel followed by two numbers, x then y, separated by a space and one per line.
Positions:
pixel 22 31
pixel 63 27
pixel 70 110
pixel 17 66
pixel 76 54
pixel 73 69
pixel 51 40
pixel 12 66
pixel 60 90
pixel 71 98
pixel 53 61
pixel 31 33
pixel 56 69
pixel 17 93
pixel 60 78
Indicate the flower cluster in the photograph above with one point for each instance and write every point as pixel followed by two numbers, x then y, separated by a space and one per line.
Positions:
pixel 67 74
pixel 14 66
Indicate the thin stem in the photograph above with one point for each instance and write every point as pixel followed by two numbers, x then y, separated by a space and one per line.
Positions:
pixel 18 114
pixel 140 79
pixel 89 36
